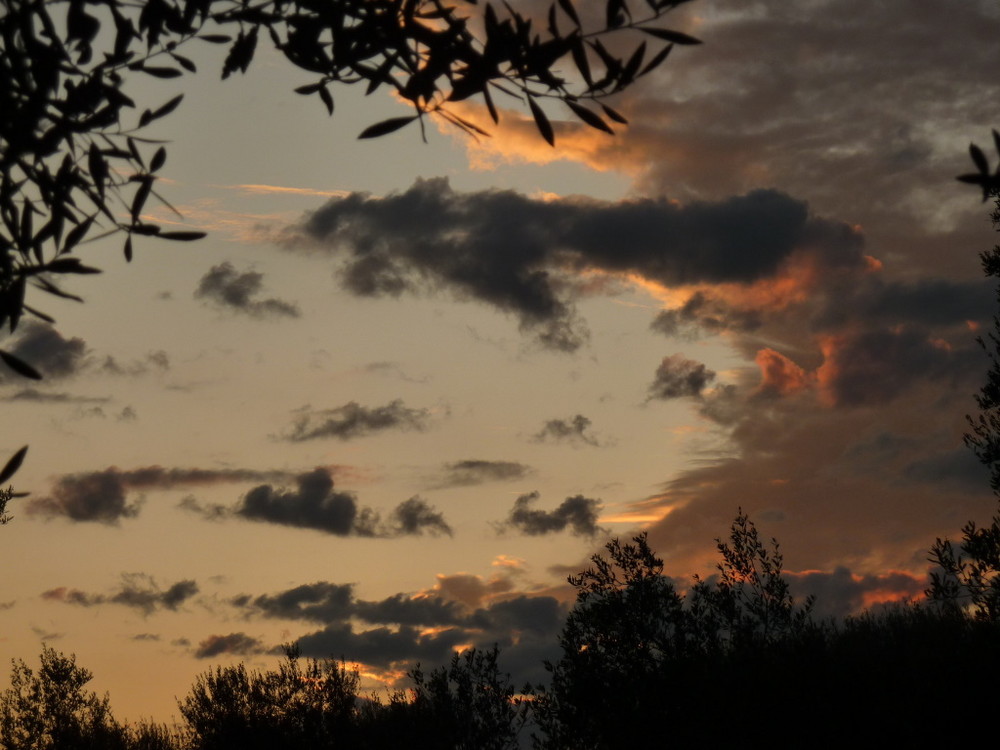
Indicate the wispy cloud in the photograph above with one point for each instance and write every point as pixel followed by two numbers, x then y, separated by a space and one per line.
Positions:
pixel 138 591
pixel 352 420
pixel 472 472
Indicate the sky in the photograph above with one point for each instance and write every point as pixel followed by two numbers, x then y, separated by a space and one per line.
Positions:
pixel 403 388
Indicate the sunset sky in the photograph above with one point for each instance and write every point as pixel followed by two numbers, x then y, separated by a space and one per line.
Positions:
pixel 404 388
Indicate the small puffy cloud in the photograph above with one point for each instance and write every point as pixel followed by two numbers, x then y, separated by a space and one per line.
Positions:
pixel 239 644
pixel 137 590
pixel 414 517
pixel 228 288
pixel 471 472
pixel 352 420
pixel 315 504
pixel 573 430
pixel 95 496
pixel 577 513
pixel 45 349
pixel 677 377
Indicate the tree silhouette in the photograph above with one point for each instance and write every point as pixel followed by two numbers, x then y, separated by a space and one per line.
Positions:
pixel 468 704
pixel 635 650
pixel 51 709
pixel 969 576
pixel 73 166
pixel 297 705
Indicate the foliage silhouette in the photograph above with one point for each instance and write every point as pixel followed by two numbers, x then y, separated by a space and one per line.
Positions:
pixel 73 166
pixel 51 709
pixel 468 704
pixel 639 638
pixel 970 575
pixel 297 705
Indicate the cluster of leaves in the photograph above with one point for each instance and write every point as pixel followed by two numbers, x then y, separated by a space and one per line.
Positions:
pixel 967 575
pixel 73 166
pixel 987 180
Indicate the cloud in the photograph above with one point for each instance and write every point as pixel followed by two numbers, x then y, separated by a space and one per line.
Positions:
pixel 472 472
pixel 573 430
pixel 316 505
pixel 578 513
pixel 155 360
pixel 137 590
pixel 45 349
pixel 316 602
pixel 415 516
pixel 42 397
pixel 227 288
pixel 100 496
pixel 677 377
pixel 239 644
pixel 518 254
pixel 352 420
pixel 95 496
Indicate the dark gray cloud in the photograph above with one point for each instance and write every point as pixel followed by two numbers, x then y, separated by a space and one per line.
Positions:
pixel 514 252
pixel 315 504
pixel 228 288
pixel 101 496
pixel 677 377
pixel 317 602
pixel 95 496
pixel 424 627
pixel 45 349
pixel 876 366
pixel 573 430
pixel 577 513
pixel 238 644
pixel 352 420
pixel 137 590
pixel 471 472
pixel 415 516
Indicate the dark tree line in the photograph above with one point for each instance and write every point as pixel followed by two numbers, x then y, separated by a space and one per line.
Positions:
pixel 731 657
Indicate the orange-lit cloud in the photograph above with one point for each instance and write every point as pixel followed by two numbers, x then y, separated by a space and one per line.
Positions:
pixel 779 374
